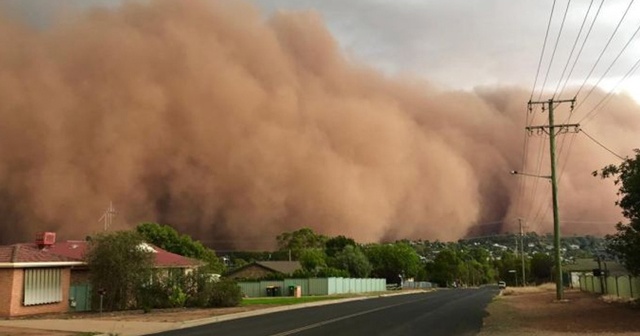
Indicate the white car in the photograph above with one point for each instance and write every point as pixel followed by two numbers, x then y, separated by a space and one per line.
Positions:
pixel 502 284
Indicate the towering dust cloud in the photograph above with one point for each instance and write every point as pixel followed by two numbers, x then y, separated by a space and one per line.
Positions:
pixel 234 128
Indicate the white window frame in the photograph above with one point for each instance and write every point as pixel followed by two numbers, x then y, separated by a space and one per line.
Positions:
pixel 42 286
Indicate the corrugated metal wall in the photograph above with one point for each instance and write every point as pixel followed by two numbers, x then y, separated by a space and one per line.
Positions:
pixel 315 286
pixel 624 286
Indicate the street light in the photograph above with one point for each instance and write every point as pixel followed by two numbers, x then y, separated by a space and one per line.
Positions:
pixel 515 172
pixel 556 226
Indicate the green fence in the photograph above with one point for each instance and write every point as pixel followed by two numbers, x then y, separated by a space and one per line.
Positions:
pixel 623 286
pixel 313 286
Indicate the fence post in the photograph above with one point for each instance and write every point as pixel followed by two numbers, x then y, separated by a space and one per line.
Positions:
pixel 630 287
pixel 617 287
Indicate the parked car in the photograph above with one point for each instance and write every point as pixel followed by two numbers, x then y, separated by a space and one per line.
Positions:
pixel 502 284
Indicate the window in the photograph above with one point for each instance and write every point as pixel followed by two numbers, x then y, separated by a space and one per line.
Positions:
pixel 42 286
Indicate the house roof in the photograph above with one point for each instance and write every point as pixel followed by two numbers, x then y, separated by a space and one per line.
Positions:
pixel 30 255
pixel 76 249
pixel 284 267
pixel 587 265
pixel 73 251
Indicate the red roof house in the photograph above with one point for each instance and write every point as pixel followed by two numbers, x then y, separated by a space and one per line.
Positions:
pixel 75 249
pixel 36 277
pixel 33 281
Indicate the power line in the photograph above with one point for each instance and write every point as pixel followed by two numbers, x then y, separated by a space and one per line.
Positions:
pixel 525 149
pixel 544 45
pixel 564 17
pixel 562 170
pixel 605 48
pixel 529 122
pixel 534 193
pixel 606 98
pixel 589 222
pixel 601 145
pixel 575 43
pixel 584 42
pixel 610 66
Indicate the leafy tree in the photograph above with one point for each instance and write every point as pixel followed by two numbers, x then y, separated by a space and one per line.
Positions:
pixel 626 242
pixel 330 272
pixel 508 262
pixel 541 266
pixel 325 272
pixel 313 259
pixel 352 260
pixel 390 261
pixel 299 240
pixel 120 265
pixel 167 238
pixel 337 244
pixel 446 268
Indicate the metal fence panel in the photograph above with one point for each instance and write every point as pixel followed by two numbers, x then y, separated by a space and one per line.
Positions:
pixel 634 287
pixel 319 286
pixel 624 286
pixel 610 285
pixel 316 286
pixel 622 283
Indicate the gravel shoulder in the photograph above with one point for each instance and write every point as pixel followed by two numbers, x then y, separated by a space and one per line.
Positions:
pixel 534 311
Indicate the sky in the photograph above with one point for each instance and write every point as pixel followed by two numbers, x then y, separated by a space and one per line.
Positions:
pixel 459 44
pixel 463 44
pixel 379 120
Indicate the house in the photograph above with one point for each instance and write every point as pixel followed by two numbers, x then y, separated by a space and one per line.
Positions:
pixel 261 269
pixel 52 277
pixel 33 281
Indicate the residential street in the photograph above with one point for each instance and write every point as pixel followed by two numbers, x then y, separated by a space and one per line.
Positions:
pixel 443 312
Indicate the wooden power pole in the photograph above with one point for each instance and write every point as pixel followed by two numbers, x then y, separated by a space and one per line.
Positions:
pixel 552 130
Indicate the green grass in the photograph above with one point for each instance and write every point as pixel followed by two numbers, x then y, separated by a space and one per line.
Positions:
pixel 288 300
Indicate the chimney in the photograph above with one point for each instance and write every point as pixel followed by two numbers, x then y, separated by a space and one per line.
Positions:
pixel 45 239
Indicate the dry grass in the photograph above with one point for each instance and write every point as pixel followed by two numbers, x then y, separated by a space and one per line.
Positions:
pixel 615 299
pixel 533 311
pixel 546 287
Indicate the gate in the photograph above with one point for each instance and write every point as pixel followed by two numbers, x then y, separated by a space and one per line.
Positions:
pixel 80 297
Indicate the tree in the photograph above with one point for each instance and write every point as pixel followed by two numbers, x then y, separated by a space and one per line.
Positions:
pixel 541 266
pixel 167 238
pixel 352 260
pixel 625 244
pixel 509 268
pixel 445 268
pixel 296 241
pixel 337 244
pixel 313 259
pixel 391 261
pixel 120 265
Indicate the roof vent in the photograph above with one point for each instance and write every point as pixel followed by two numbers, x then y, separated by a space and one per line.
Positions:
pixel 44 239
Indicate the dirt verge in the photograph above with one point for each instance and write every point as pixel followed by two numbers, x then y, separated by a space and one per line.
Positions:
pixel 534 311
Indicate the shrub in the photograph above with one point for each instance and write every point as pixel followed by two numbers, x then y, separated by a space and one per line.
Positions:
pixel 330 272
pixel 225 293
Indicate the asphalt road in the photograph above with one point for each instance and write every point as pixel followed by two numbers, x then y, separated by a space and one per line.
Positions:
pixel 447 312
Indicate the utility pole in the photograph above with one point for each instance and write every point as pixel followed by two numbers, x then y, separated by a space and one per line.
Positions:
pixel 551 130
pixel 524 278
